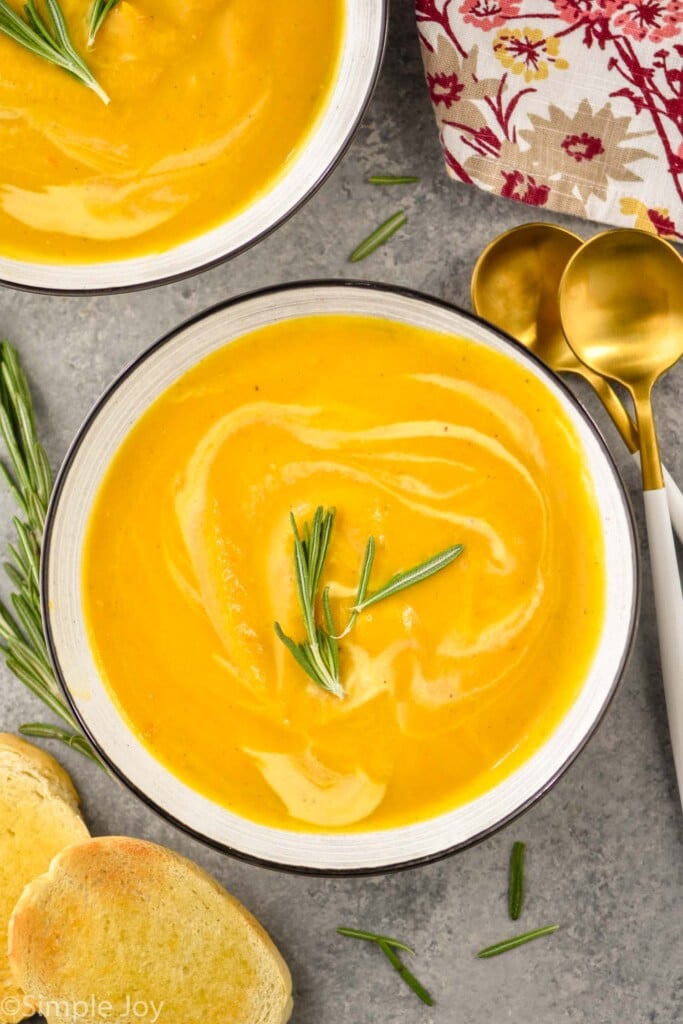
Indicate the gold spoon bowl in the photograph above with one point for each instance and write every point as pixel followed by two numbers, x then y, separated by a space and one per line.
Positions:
pixel 515 284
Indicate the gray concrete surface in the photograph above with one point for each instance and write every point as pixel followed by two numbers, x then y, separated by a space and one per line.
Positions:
pixel 605 852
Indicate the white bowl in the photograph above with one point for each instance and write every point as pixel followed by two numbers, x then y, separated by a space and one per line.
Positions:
pixel 79 481
pixel 361 56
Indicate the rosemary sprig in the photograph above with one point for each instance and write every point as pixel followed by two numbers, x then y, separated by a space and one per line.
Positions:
pixel 53 732
pixel 30 481
pixel 516 881
pixel 379 236
pixel 410 577
pixel 389 947
pixel 100 10
pixel 393 179
pixel 48 38
pixel 518 940
pixel 319 655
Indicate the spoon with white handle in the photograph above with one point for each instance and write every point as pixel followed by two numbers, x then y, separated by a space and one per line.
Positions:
pixel 621 304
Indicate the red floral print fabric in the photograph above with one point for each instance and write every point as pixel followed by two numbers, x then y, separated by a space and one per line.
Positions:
pixel 572 105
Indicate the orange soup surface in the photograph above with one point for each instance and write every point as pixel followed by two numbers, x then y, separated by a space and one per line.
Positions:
pixel 419 439
pixel 211 102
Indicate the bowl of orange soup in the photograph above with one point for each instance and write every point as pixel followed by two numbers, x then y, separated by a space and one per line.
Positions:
pixel 223 117
pixel 170 557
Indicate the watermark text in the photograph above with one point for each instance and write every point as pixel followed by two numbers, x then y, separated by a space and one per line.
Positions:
pixel 129 1009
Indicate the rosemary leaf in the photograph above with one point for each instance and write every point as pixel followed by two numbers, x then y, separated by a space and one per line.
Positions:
pixel 409 978
pixel 48 39
pixel 12 487
pixel 55 705
pixel 402 580
pixel 378 237
pixel 296 650
pixel 9 630
pixel 31 627
pixel 393 179
pixel 519 940
pixel 516 881
pixel 100 10
pixel 329 635
pixel 19 566
pixel 359 933
pixel 22 639
pixel 389 947
pixel 16 575
pixel 21 653
pixel 30 556
pixel 366 569
pixel 41 730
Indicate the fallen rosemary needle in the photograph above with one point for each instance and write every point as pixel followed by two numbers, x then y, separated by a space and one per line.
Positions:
pixel 100 10
pixel 516 881
pixel 318 655
pixel 30 481
pixel 393 179
pixel 378 237
pixel 389 947
pixel 48 38
pixel 518 940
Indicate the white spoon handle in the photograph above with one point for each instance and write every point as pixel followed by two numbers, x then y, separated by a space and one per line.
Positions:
pixel 669 608
pixel 674 499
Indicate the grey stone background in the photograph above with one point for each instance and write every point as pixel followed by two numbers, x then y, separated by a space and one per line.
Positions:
pixel 604 846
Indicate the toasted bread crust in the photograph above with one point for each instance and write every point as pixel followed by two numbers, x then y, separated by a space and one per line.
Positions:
pixel 38 818
pixel 19 755
pixel 118 920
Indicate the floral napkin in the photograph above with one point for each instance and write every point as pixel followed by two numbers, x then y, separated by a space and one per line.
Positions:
pixel 571 105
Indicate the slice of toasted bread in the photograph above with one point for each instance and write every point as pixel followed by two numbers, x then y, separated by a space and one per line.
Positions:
pixel 128 930
pixel 38 818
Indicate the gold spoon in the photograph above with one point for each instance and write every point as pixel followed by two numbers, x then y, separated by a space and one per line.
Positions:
pixel 514 285
pixel 621 305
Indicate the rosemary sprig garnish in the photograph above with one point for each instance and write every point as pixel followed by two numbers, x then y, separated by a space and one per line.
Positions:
pixel 393 179
pixel 48 38
pixel 389 947
pixel 379 236
pixel 516 881
pixel 100 10
pixel 318 656
pixel 30 481
pixel 518 940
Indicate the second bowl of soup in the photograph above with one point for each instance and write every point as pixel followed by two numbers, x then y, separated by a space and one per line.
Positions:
pixel 222 118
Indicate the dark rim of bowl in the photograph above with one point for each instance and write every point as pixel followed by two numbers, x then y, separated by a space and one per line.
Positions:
pixel 183 275
pixel 75 448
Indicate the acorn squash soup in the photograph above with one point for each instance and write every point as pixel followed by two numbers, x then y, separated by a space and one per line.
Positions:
pixel 211 102
pixel 421 440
